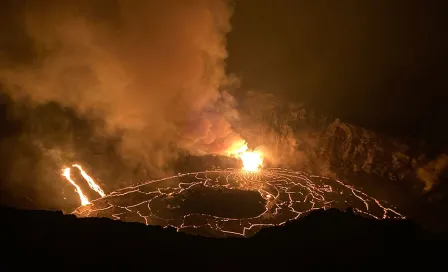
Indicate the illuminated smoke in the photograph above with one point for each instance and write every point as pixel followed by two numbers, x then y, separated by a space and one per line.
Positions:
pixel 252 160
pixel 152 70
pixel 431 172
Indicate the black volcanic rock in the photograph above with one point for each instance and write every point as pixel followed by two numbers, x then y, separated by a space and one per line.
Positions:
pixel 325 237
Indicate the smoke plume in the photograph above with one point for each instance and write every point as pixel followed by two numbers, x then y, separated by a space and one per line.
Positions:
pixel 431 173
pixel 152 70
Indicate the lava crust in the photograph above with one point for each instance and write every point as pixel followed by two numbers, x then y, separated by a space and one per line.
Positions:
pixel 232 202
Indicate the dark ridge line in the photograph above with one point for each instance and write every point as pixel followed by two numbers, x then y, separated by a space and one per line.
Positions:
pixel 324 237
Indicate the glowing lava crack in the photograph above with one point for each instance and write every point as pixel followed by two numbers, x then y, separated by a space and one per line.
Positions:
pixel 285 195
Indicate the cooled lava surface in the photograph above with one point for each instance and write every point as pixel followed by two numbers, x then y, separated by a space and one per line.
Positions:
pixel 232 202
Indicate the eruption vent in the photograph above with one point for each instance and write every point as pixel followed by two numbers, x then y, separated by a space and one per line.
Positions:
pixel 252 160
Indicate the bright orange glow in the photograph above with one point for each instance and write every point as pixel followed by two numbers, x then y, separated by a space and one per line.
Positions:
pixel 252 160
pixel 84 200
pixel 66 172
pixel 90 181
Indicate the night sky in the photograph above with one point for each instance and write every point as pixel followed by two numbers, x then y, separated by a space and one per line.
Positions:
pixel 380 64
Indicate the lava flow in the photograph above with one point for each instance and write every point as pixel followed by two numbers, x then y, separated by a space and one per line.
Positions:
pixel 66 172
pixel 276 195
pixel 90 181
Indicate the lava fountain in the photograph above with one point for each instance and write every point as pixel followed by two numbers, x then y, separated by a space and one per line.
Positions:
pixel 252 160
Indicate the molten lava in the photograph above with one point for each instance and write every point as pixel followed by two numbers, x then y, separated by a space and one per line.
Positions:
pixel 84 200
pixel 252 160
pixel 90 181
pixel 66 172
pixel 287 195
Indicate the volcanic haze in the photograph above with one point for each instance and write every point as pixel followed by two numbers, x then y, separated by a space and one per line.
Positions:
pixel 152 70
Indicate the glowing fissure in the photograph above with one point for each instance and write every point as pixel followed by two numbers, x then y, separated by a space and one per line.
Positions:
pixel 66 172
pixel 90 181
pixel 287 195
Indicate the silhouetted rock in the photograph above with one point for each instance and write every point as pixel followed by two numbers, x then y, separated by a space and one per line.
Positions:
pixel 325 237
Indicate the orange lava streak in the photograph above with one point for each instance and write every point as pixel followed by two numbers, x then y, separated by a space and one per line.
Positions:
pixel 90 181
pixel 82 197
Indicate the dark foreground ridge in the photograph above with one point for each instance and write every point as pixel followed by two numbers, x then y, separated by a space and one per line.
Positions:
pixel 328 237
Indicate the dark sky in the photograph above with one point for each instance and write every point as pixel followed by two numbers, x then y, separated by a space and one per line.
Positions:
pixel 381 64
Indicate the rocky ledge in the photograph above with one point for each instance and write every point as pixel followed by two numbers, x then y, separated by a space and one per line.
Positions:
pixel 325 237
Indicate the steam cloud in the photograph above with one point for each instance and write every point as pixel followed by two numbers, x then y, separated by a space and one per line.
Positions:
pixel 430 174
pixel 152 70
